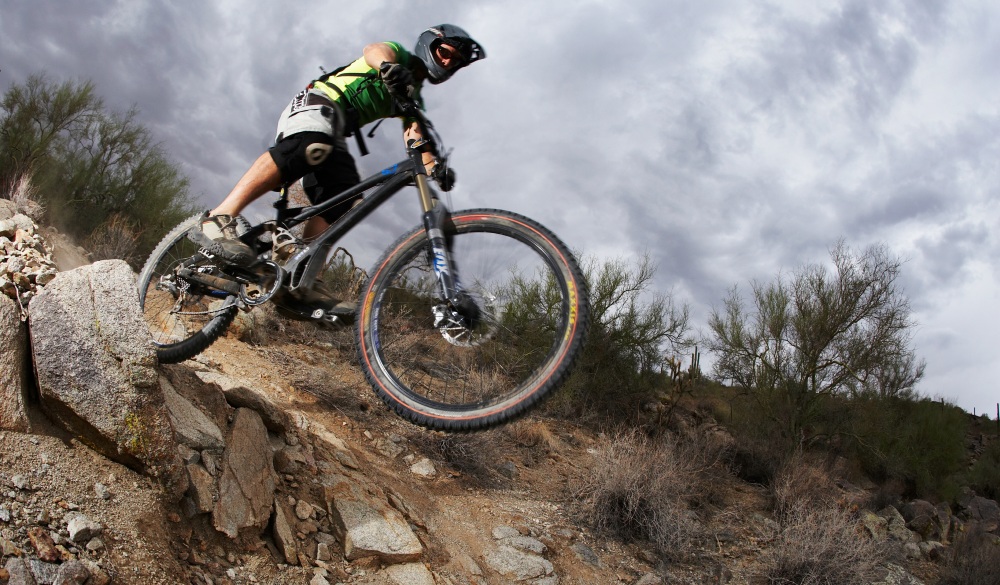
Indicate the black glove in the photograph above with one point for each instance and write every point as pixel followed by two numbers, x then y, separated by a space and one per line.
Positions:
pixel 444 175
pixel 397 79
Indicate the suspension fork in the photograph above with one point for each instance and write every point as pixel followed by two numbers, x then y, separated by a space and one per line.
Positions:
pixel 461 310
pixel 437 224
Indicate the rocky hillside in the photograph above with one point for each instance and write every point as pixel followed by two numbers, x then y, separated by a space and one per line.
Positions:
pixel 268 460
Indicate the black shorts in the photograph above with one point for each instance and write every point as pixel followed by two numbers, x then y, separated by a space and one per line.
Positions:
pixel 328 181
pixel 336 173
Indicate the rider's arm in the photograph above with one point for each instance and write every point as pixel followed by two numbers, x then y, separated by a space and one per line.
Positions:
pixel 376 53
pixel 412 132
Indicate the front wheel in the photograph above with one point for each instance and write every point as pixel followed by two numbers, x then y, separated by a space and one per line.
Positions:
pixel 512 339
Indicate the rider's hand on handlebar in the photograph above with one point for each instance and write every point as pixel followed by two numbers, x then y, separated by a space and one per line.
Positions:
pixel 397 79
pixel 444 175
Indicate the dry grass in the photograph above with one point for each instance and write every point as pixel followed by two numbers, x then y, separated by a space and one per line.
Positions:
pixel 801 482
pixel 820 546
pixel 643 489
pixel 533 434
pixel 475 455
pixel 116 238
pixel 24 196
pixel 975 560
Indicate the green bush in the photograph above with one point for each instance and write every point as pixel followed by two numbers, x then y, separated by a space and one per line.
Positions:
pixel 816 335
pixel 918 442
pixel 984 476
pixel 633 334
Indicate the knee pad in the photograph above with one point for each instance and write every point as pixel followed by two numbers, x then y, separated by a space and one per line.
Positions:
pixel 300 153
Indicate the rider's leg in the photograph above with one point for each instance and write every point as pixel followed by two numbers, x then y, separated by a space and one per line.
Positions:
pixel 337 174
pixel 314 227
pixel 263 176
pixel 218 224
pixel 306 135
pixel 288 160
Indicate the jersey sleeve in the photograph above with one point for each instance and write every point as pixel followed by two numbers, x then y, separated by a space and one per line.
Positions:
pixel 402 55
pixel 405 58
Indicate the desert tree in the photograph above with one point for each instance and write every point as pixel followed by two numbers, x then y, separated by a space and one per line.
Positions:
pixel 818 333
pixel 89 165
pixel 634 333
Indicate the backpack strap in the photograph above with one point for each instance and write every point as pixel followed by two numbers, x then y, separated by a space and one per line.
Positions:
pixel 353 127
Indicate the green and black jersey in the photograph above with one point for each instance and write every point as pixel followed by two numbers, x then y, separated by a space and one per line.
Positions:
pixel 361 86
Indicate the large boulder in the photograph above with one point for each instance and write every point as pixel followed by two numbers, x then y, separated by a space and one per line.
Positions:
pixel 984 512
pixel 896 526
pixel 922 517
pixel 368 526
pixel 14 367
pixel 246 488
pixel 96 369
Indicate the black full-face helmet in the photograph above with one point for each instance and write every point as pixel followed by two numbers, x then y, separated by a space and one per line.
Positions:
pixel 454 36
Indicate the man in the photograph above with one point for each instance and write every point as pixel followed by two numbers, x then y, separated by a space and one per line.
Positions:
pixel 312 130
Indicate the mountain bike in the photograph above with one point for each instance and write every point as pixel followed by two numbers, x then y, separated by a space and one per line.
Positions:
pixel 465 322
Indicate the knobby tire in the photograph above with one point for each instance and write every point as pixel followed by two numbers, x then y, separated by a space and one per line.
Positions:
pixel 178 337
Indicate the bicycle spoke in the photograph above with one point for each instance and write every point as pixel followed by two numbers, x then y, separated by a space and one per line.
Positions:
pixel 453 364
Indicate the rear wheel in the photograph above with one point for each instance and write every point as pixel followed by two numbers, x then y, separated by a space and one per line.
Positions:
pixel 183 317
pixel 487 359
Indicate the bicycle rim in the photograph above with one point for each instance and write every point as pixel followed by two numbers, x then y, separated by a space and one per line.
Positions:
pixel 528 289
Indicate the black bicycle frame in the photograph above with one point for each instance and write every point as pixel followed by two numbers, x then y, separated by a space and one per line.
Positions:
pixel 305 266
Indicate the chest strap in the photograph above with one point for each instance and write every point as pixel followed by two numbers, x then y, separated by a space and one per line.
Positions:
pixel 353 118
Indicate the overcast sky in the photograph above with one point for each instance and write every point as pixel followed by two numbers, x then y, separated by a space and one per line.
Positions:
pixel 729 139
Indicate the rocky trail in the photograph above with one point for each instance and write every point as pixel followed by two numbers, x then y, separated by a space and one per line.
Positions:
pixel 268 459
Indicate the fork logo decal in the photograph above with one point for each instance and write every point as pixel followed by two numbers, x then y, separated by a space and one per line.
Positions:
pixel 440 264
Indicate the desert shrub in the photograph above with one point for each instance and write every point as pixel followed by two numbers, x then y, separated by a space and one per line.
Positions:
pixel 918 442
pixel 820 546
pixel 20 190
pixel 759 451
pixel 974 560
pixel 533 438
pixel 633 330
pixel 813 334
pixel 800 482
pixel 475 455
pixel 643 489
pixel 531 433
pixel 342 276
pixel 88 163
pixel 756 461
pixel 984 476
pixel 116 238
pixel 888 493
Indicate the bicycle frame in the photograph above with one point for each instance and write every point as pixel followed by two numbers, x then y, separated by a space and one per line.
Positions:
pixel 302 269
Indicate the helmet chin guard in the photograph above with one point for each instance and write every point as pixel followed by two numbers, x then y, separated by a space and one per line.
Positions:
pixel 451 35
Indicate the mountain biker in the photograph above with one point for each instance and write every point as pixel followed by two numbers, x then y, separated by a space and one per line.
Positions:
pixel 312 129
